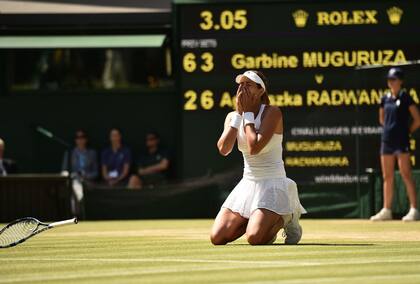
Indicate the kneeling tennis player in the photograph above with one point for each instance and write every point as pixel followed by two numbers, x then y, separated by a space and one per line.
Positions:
pixel 265 200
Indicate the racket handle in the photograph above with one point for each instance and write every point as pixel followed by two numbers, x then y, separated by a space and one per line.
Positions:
pixel 63 223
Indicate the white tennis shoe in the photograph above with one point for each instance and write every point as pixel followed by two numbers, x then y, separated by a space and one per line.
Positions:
pixel 272 240
pixel 293 230
pixel 383 215
pixel 412 215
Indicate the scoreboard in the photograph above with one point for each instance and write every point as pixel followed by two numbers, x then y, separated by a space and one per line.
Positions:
pixel 309 51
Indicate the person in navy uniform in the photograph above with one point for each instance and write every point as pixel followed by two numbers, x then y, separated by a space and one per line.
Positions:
pixel 394 115
pixel 152 166
pixel 116 160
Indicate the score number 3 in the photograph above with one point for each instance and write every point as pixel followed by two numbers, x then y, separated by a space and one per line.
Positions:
pixel 228 20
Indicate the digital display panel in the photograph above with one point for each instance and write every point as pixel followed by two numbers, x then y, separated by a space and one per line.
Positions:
pixel 309 52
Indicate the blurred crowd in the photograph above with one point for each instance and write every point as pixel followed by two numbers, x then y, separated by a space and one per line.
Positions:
pixel 117 167
pixel 87 69
pixel 114 167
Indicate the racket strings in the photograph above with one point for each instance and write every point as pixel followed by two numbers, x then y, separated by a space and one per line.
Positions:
pixel 17 232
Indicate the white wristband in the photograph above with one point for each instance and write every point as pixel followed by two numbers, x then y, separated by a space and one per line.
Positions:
pixel 236 120
pixel 249 118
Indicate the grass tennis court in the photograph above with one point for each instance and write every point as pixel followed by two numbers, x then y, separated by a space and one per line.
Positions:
pixel 178 251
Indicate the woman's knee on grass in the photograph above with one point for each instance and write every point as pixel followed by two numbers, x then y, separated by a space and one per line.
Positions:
pixel 227 227
pixel 262 226
pixel 258 238
pixel 218 239
pixel 222 236
pixel 261 235
pixel 223 231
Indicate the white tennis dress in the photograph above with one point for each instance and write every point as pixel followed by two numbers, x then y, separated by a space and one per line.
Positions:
pixel 264 183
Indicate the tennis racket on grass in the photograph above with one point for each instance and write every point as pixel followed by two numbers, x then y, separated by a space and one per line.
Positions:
pixel 22 229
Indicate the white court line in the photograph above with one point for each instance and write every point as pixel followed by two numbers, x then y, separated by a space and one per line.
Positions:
pixel 236 264
pixel 36 277
pixel 223 261
pixel 322 280
pixel 228 261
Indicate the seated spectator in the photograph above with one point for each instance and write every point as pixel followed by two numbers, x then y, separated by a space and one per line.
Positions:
pixel 7 166
pixel 116 160
pixel 84 161
pixel 152 166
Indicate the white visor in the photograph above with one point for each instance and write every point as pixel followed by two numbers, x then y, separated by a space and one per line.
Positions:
pixel 252 76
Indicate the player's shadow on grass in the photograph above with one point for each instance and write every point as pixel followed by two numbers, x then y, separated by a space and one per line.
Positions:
pixel 314 244
pixel 329 245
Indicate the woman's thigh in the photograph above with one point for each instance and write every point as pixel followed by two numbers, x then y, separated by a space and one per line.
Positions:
pixel 388 166
pixel 263 225
pixel 228 226
pixel 404 164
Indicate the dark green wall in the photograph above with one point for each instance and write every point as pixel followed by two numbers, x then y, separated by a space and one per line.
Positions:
pixel 134 113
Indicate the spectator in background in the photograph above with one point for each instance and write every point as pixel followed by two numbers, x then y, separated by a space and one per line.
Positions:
pixel 116 160
pixel 7 166
pixel 399 116
pixel 84 161
pixel 83 168
pixel 152 166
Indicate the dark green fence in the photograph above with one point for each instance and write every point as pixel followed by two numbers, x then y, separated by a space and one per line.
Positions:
pixel 400 204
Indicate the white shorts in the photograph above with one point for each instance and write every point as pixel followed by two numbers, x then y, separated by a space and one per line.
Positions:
pixel 277 194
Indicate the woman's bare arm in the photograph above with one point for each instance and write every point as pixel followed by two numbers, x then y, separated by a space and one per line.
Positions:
pixel 228 138
pixel 125 172
pixel 257 141
pixel 416 118
pixel 381 116
pixel 104 171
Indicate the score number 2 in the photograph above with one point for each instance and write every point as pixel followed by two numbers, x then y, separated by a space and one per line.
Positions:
pixel 228 20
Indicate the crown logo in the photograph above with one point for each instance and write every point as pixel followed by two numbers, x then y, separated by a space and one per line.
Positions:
pixel 300 17
pixel 394 15
pixel 319 78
